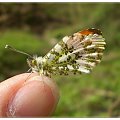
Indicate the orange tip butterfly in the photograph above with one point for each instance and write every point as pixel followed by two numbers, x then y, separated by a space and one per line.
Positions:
pixel 78 53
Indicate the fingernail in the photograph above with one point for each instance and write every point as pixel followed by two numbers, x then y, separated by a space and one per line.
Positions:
pixel 36 98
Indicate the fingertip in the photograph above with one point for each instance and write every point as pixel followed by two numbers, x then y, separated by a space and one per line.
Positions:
pixel 37 97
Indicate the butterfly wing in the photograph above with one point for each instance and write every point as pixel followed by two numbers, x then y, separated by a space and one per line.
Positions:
pixel 78 53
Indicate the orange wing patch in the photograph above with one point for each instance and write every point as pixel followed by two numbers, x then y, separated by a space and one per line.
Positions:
pixel 91 31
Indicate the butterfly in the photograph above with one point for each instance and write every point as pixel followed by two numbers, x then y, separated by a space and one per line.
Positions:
pixel 78 53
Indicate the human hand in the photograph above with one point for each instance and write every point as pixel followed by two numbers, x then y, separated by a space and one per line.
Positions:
pixel 23 96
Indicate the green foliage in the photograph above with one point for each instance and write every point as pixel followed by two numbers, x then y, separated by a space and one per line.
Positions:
pixel 36 28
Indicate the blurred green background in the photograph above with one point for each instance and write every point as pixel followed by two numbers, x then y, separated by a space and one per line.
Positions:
pixel 36 27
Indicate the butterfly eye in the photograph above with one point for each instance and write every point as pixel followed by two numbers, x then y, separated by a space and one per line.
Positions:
pixel 31 62
pixel 34 63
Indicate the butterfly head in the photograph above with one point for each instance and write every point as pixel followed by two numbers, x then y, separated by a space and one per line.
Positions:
pixel 35 63
pixel 31 62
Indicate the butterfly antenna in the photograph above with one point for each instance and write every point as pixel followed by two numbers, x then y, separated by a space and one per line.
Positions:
pixel 18 51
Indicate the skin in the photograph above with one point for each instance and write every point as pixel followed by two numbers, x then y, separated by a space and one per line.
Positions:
pixel 28 95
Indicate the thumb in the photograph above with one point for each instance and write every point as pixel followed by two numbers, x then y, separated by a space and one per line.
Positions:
pixel 35 97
